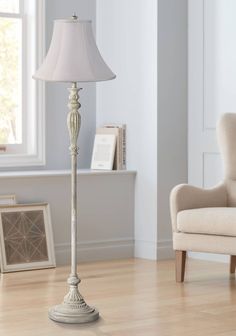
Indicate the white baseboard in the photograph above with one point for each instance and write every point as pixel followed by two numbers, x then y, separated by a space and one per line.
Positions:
pixel 209 256
pixel 115 249
pixel 145 249
pixel 161 250
pixel 96 250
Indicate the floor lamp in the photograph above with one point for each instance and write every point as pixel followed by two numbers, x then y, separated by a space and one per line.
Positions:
pixel 73 57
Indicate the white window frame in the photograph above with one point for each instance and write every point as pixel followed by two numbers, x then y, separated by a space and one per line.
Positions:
pixel 32 153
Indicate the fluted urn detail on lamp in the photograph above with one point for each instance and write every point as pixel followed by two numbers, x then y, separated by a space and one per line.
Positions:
pixel 74 117
pixel 73 57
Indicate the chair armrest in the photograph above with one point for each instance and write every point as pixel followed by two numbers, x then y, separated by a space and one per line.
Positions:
pixel 185 197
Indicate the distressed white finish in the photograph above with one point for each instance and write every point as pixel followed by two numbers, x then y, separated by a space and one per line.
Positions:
pixel 74 309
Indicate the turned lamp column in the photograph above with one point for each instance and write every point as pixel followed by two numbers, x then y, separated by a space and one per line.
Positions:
pixel 74 309
pixel 73 123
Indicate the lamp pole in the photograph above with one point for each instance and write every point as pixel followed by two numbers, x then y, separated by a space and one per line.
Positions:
pixel 74 309
pixel 73 123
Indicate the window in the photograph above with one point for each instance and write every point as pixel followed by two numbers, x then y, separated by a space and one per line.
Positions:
pixel 21 98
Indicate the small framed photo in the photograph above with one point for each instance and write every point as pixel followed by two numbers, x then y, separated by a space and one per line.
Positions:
pixel 7 199
pixel 103 151
pixel 26 238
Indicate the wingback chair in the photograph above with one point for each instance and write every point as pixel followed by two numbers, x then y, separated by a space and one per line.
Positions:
pixel 204 220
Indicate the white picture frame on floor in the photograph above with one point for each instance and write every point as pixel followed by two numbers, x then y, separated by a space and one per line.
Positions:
pixel 26 237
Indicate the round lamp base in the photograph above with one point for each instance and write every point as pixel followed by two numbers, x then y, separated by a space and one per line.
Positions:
pixel 62 313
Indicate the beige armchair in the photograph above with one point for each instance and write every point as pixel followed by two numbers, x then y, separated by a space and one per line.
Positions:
pixel 204 220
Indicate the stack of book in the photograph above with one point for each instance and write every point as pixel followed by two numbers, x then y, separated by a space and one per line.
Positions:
pixel 119 130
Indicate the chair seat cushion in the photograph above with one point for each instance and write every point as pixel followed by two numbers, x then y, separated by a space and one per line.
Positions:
pixel 212 221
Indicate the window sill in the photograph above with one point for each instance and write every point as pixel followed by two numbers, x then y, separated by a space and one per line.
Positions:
pixel 19 160
pixel 55 173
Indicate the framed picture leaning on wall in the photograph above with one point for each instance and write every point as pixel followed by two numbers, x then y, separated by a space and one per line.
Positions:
pixel 26 238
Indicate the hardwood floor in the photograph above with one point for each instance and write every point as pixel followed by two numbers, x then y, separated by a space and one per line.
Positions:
pixel 134 297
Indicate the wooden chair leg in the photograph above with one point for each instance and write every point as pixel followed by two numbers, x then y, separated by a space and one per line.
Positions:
pixel 232 264
pixel 180 260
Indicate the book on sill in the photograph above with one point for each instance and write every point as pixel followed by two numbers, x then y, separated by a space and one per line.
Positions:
pixel 103 151
pixel 120 131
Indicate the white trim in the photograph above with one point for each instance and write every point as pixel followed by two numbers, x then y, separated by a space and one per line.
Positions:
pixel 151 250
pixel 11 15
pixel 201 134
pixel 48 173
pixel 24 160
pixel 96 250
pixel 145 249
pixel 34 154
pixel 40 85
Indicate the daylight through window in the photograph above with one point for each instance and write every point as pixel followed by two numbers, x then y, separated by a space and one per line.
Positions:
pixel 10 72
pixel 21 98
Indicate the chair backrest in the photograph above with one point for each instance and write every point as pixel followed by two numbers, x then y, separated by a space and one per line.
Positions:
pixel 226 132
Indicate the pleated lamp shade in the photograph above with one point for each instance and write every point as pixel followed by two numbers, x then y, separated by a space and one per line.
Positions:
pixel 73 55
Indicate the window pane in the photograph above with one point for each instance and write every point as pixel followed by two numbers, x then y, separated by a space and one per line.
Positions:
pixel 10 81
pixel 9 6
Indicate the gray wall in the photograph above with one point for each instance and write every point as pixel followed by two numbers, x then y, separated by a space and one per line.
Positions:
pixel 127 34
pixel 172 106
pixel 105 217
pixel 150 96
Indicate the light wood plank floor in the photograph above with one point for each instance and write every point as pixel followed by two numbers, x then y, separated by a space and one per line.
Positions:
pixel 134 297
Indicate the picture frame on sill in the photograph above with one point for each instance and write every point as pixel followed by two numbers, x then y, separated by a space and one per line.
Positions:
pixel 103 152
pixel 26 237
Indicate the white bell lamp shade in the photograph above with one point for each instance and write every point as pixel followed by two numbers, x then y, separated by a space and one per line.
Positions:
pixel 73 55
